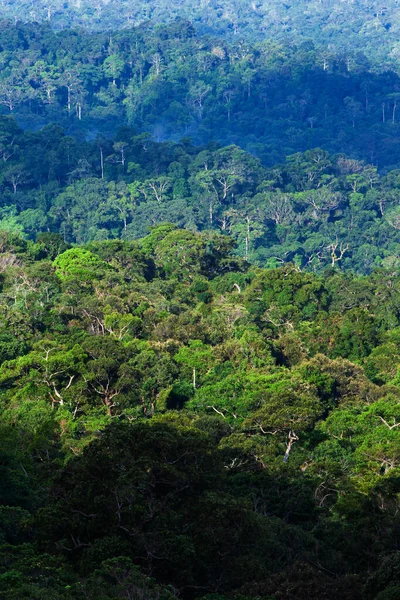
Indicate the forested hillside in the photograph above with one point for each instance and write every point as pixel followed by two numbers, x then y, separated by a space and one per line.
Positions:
pixel 199 300
pixel 175 424
pixel 272 99
pixel 315 209
pixel 366 26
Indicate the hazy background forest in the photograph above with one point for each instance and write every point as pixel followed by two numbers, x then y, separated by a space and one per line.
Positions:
pixel 146 125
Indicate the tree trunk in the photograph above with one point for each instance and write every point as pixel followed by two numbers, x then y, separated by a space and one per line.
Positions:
pixel 102 163
pixel 292 437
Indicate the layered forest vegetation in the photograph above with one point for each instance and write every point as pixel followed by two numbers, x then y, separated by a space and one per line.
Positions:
pixel 314 210
pixel 177 424
pixel 356 24
pixel 127 130
pixel 271 98
pixel 199 300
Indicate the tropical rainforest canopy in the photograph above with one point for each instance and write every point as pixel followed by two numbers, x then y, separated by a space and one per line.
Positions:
pixel 199 300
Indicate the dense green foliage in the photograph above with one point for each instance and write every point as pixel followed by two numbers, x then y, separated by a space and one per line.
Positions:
pixel 358 24
pixel 177 424
pixel 314 210
pixel 199 300
pixel 272 99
